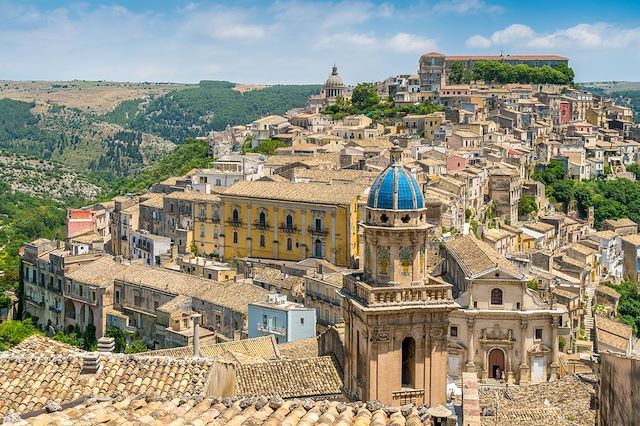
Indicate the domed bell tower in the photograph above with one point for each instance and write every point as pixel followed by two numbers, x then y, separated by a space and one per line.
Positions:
pixel 396 315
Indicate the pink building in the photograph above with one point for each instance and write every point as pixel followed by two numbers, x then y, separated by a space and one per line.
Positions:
pixel 80 221
pixel 456 162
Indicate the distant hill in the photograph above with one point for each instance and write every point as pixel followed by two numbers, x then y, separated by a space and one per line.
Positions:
pixel 116 129
pixel 623 92
pixel 210 105
pixel 75 138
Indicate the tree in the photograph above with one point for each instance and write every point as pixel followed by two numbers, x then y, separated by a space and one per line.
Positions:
pixel 119 337
pixel 136 346
pixel 566 71
pixel 14 332
pixel 70 339
pixel 562 191
pixel 269 146
pixel 456 72
pixel 90 340
pixel 526 205
pixel 364 96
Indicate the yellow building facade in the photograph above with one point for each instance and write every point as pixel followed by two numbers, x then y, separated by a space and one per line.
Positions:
pixel 291 221
pixel 207 211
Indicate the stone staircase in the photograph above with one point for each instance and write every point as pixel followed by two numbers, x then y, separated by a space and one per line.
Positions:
pixel 588 312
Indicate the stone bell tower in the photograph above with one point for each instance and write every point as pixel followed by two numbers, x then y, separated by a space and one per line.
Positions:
pixel 396 315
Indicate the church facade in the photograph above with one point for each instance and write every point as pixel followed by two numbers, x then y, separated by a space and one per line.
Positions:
pixel 503 330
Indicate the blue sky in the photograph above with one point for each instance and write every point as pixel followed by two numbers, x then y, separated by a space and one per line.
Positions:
pixel 297 41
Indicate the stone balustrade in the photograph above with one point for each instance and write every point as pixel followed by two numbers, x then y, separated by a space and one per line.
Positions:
pixel 384 295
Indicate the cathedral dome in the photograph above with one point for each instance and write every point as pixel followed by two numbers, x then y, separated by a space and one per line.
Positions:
pixel 334 79
pixel 395 189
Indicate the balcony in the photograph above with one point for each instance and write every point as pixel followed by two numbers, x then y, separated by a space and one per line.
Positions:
pixel 266 328
pixel 261 226
pixel 236 223
pixel 288 229
pixel 314 230
pixel 433 294
pixel 56 309
pixel 32 300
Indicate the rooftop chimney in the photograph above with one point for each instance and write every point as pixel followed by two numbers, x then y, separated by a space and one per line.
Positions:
pixel 91 363
pixel 196 334
pixel 106 344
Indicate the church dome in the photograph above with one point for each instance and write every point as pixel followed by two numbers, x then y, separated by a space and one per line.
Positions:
pixel 395 189
pixel 334 79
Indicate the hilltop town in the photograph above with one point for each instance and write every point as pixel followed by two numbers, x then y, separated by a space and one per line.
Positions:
pixel 456 244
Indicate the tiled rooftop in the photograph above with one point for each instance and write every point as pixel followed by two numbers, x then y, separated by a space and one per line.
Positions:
pixel 29 381
pixel 475 256
pixel 317 193
pixel 307 377
pixel 121 409
pixel 263 347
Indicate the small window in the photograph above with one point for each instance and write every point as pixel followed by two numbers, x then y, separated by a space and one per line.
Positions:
pixel 117 297
pixel 301 321
pixel 235 215
pixel 262 218
pixel 496 296
pixel 454 331
pixel 538 334
pixel 235 237
pixel 289 221
pixel 262 240
pixel 156 304
pixel 289 244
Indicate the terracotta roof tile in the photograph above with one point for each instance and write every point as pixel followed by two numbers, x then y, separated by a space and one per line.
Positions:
pixel 261 347
pixel 308 377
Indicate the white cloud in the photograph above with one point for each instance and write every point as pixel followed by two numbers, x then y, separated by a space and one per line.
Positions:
pixel 403 42
pixel 478 41
pixel 399 42
pixel 599 35
pixel 466 6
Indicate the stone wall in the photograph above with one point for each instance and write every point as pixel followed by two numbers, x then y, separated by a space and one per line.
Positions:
pixel 619 396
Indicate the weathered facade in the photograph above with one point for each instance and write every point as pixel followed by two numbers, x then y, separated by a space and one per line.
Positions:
pixel 396 316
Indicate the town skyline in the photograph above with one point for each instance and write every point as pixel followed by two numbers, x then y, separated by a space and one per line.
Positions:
pixel 298 41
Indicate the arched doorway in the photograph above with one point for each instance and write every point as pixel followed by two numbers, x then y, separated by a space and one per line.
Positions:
pixel 408 362
pixel 318 248
pixel 496 363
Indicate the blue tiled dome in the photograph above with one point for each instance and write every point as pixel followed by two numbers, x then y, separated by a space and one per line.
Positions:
pixel 395 189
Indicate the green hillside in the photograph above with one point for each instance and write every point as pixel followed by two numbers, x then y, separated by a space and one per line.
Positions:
pixel 211 105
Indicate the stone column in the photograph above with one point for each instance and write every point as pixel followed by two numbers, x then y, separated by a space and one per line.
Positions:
pixel 554 349
pixel 415 270
pixel 471 366
pixel 221 235
pixel 303 244
pixel 276 241
pixel 524 368
pixel 334 251
pixel 249 230
pixel 510 378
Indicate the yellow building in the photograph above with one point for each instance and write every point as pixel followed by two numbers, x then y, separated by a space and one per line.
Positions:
pixel 207 209
pixel 291 221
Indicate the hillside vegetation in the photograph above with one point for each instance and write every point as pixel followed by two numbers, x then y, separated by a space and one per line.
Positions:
pixel 211 105
pixel 610 198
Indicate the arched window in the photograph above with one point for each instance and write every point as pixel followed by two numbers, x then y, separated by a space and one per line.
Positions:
pixel 216 214
pixel 496 296
pixel 201 231
pixel 289 244
pixel 408 362
pixel 215 232
pixel 289 221
pixel 262 240
pixel 262 218
pixel 235 237
pixel 235 215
